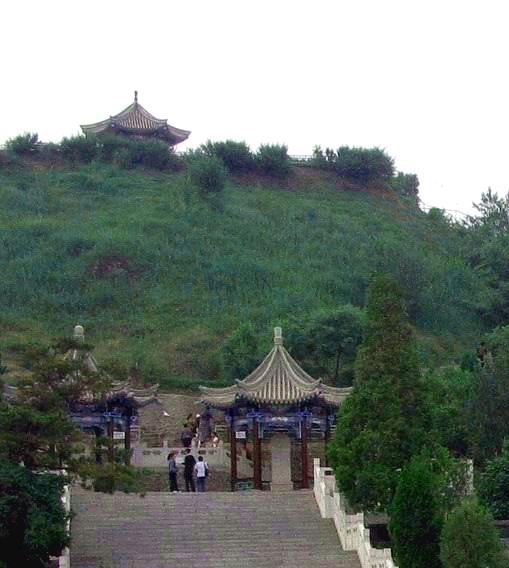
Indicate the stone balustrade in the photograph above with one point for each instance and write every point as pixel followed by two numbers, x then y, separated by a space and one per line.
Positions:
pixel 351 530
pixel 215 457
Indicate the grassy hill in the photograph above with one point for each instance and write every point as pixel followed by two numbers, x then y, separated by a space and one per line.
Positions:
pixel 157 274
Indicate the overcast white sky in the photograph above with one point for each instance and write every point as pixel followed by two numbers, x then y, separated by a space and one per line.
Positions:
pixel 426 80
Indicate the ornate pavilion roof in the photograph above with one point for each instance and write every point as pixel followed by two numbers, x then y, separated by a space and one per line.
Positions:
pixel 136 120
pixel 143 395
pixel 277 380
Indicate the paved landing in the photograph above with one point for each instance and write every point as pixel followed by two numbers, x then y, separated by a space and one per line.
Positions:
pixel 209 530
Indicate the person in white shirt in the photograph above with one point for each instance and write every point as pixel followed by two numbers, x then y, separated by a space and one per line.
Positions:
pixel 202 471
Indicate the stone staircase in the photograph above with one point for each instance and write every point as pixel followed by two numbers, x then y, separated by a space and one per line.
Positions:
pixel 208 530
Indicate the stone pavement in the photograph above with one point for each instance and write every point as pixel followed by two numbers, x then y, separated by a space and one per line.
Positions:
pixel 209 530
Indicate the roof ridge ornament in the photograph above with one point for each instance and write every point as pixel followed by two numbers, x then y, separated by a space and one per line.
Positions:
pixel 79 333
pixel 136 97
pixel 278 336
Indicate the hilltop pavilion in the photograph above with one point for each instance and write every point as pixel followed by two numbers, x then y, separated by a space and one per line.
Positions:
pixel 136 122
pixel 277 410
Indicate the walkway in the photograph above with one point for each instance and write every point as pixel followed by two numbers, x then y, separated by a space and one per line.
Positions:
pixel 211 530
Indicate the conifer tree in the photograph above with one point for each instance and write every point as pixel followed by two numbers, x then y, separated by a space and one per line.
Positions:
pixel 384 421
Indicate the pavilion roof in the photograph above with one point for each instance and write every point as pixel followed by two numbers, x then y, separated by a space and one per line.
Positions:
pixel 277 380
pixel 137 120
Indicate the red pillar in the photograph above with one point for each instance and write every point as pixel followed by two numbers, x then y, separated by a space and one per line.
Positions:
pixel 304 448
pixel 257 455
pixel 233 454
pixel 127 440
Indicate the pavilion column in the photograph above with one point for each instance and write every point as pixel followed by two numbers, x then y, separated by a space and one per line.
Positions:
pixel 127 439
pixel 257 455
pixel 327 438
pixel 233 454
pixel 111 450
pixel 304 453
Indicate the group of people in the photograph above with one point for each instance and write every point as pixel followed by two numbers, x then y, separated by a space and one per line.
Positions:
pixel 198 430
pixel 192 468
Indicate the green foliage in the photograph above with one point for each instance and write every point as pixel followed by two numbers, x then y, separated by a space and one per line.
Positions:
pixel 32 517
pixel 452 395
pixel 406 185
pixel 494 484
pixel 384 421
pixel 207 174
pixel 490 407
pixel 191 269
pixel 110 477
pixel 470 539
pixel 79 149
pixel 487 248
pixel 273 160
pixel 416 516
pixel 358 164
pixel 240 353
pixel 326 344
pixel 24 144
pixel 236 156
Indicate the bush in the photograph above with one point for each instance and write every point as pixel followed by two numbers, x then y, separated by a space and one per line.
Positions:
pixel 405 184
pixel 363 164
pixel 207 173
pixel 236 156
pixel 273 160
pixel 23 144
pixel 49 152
pixel 494 484
pixel 152 154
pixel 470 539
pixel 32 519
pixel 359 164
pixel 79 149
pixel 416 517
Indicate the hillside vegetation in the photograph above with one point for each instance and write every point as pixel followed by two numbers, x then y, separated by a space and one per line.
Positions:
pixel 161 276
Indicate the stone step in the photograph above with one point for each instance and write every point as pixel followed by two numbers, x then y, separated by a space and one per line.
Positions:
pixel 242 530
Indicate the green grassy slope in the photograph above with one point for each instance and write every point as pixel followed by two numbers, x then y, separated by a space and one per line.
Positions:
pixel 155 273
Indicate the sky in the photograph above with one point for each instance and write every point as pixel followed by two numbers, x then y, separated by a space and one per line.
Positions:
pixel 428 81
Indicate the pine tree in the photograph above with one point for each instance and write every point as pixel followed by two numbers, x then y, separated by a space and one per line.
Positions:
pixel 384 421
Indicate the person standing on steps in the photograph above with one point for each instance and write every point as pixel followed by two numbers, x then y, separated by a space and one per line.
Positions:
pixel 186 436
pixel 172 472
pixel 202 472
pixel 189 463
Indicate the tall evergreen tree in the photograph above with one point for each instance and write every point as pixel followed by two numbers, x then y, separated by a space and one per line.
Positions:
pixel 384 421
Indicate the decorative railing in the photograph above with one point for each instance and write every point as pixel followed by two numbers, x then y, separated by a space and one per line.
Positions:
pixel 353 535
pixel 215 457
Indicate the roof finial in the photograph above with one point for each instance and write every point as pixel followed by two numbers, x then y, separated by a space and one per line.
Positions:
pixel 278 336
pixel 79 334
pixel 135 96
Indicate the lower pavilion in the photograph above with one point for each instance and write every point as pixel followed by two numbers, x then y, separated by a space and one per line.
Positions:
pixel 280 417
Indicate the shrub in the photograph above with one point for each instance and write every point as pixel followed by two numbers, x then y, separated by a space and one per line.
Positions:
pixel 78 149
pixel 273 160
pixel 207 173
pixel 23 144
pixel 151 153
pixel 363 164
pixel 494 484
pixel 470 539
pixel 32 519
pixel 49 152
pixel 405 184
pixel 416 517
pixel 236 156
pixel 109 145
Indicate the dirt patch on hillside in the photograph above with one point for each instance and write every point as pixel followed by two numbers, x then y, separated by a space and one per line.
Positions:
pixel 110 266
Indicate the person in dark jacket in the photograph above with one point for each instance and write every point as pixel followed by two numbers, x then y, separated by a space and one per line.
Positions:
pixel 186 436
pixel 189 463
pixel 172 472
